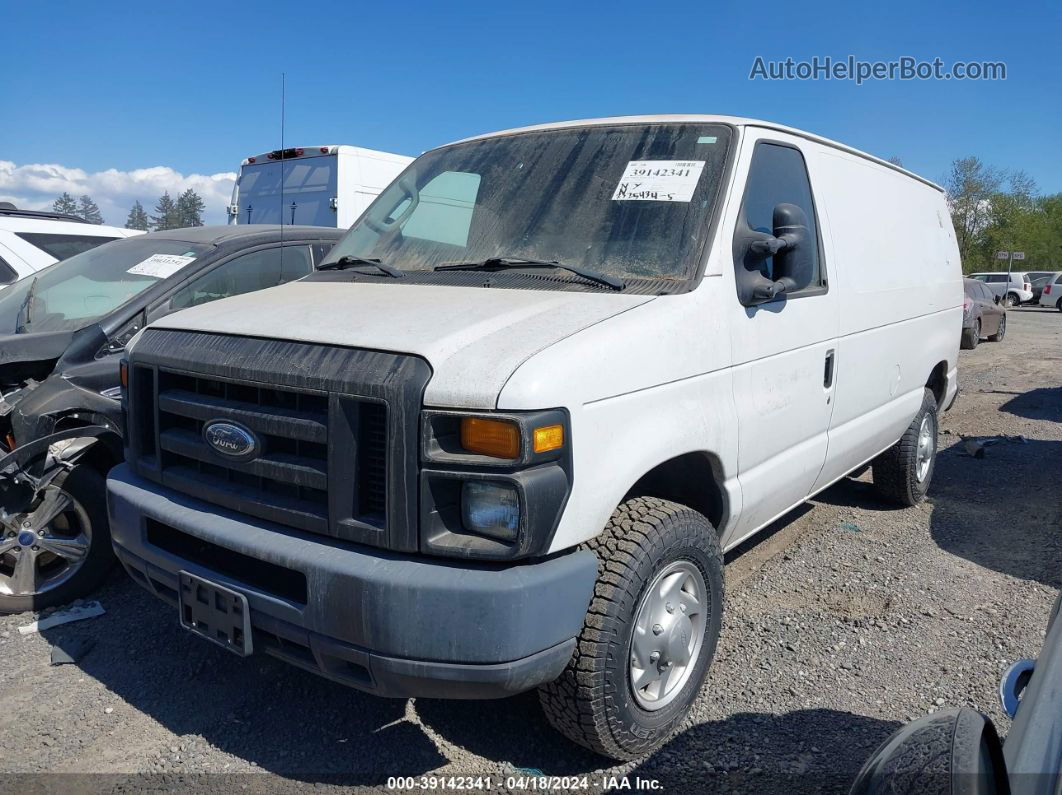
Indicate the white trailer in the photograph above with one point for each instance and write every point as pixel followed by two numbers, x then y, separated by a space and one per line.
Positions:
pixel 314 185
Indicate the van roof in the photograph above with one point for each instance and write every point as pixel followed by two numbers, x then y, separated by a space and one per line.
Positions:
pixel 322 151
pixel 736 121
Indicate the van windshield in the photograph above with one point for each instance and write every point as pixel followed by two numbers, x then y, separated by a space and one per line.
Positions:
pixel 77 292
pixel 630 201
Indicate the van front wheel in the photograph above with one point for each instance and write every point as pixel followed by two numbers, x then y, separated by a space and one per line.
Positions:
pixel 650 632
pixel 903 472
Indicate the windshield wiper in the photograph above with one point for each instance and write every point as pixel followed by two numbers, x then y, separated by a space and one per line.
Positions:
pixel 27 302
pixel 348 261
pixel 501 263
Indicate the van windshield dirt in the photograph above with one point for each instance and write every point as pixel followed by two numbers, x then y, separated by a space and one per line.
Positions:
pixel 630 201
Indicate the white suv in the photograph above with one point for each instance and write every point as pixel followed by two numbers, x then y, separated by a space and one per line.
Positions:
pixel 1018 291
pixel 31 239
pixel 1052 292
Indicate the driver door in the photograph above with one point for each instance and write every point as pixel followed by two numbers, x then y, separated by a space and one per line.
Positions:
pixel 784 351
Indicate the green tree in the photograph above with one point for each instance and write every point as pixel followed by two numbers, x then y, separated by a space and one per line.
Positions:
pixel 971 186
pixel 138 219
pixel 89 210
pixel 165 214
pixel 66 204
pixel 190 208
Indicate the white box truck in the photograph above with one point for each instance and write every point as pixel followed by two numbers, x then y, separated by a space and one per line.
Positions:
pixel 502 438
pixel 312 185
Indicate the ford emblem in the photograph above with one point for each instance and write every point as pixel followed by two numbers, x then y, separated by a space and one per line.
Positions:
pixel 230 440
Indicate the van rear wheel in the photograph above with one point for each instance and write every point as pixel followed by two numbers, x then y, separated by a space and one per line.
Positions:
pixel 903 472
pixel 650 632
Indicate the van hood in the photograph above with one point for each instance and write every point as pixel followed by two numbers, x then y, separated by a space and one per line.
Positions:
pixel 474 338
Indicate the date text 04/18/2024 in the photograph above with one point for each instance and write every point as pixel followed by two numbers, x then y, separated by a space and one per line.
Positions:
pixel 530 780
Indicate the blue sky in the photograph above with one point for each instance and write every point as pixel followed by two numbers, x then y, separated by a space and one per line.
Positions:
pixel 195 88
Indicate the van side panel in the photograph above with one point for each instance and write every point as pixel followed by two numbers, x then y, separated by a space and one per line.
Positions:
pixel 365 173
pixel 896 269
pixel 642 387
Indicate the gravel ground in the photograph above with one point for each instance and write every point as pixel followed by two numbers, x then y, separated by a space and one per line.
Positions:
pixel 842 622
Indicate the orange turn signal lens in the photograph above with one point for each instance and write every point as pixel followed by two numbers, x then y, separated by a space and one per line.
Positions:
pixel 496 438
pixel 123 374
pixel 549 438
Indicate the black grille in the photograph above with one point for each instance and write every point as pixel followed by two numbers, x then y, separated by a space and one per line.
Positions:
pixel 336 427
pixel 372 461
pixel 288 480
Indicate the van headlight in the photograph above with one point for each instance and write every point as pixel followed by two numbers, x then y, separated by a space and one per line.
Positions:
pixel 493 484
pixel 491 508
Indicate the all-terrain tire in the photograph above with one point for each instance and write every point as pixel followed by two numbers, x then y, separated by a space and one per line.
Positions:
pixel 88 488
pixel 896 471
pixel 592 702
pixel 971 336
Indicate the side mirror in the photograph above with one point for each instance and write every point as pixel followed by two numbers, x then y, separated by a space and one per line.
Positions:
pixel 997 298
pixel 793 251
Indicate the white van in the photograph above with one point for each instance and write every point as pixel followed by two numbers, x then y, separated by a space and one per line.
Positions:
pixel 314 185
pixel 502 438
pixel 31 240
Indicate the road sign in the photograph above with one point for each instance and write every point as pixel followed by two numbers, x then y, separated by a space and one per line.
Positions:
pixel 1019 255
pixel 1002 255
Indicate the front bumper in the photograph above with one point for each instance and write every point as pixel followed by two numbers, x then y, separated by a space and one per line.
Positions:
pixel 391 624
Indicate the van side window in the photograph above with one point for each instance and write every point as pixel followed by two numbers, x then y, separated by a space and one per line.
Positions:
pixel 779 176
pixel 255 270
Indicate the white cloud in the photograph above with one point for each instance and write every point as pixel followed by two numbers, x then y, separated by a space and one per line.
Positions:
pixel 36 185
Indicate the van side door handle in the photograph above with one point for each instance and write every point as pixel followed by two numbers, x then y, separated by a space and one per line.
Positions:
pixel 827 375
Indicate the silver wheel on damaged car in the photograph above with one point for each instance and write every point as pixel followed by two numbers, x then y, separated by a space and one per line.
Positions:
pixel 55 545
pixel 668 634
pixel 43 548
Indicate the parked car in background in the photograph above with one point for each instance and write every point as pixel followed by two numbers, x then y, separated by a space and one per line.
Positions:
pixel 1037 280
pixel 501 439
pixel 1051 294
pixel 33 239
pixel 64 330
pixel 983 314
pixel 1012 288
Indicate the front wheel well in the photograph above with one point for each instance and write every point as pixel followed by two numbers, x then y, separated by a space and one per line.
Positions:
pixel 102 456
pixel 938 382
pixel 692 479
